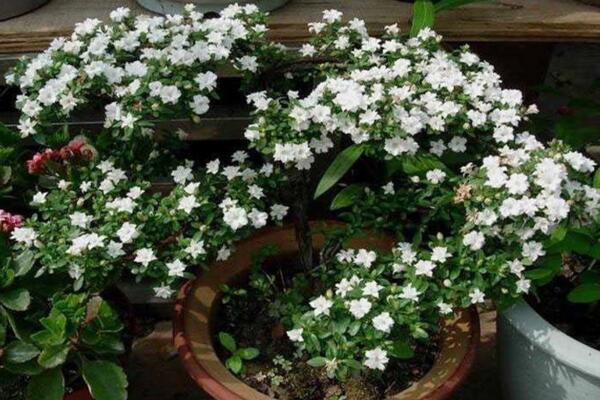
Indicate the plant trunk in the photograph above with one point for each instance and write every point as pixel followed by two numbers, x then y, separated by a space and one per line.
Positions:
pixel 300 209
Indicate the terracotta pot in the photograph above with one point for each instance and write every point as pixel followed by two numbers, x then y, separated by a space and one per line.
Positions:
pixel 198 300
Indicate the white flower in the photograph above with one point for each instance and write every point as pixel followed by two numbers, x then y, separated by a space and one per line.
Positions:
pixel 397 146
pixel 424 267
pixel 135 192
pixel 440 254
pixel 477 296
pixel 517 184
pixel 169 94
pixel 144 256
pixel 80 219
pixel 115 249
pixel 533 250
pixel 523 285
pixel 195 248
pixel 127 232
pixel 39 198
pixel 235 217
pixel 516 267
pixel 383 322
pixel 308 50
pixel 164 292
pixel 248 63
pixel 258 218
pixel 360 308
pixel 176 268
pixel 75 271
pixel 435 176
pixel 372 289
pixel 444 308
pixel 343 287
pixel 278 211
pixel 474 240
pixel 255 191
pixel 181 174
pixel 200 104
pixel 187 204
pixel 458 144
pixel 365 258
pixel 26 236
pixel 389 188
pixel 321 305
pixel 206 80
pixel 409 292
pixel 223 254
pixel 376 359
pixel 295 335
pixel 579 162
pixel 63 185
pixel 331 16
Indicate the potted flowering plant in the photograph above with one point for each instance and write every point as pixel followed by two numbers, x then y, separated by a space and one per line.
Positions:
pixel 317 309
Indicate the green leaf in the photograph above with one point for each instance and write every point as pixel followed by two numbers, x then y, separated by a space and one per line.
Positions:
pixel 234 363
pixel 539 273
pixel 24 262
pixel 347 196
pixel 597 179
pixel 53 356
pixel 227 341
pixel 2 333
pixel 249 353
pixel 317 362
pixel 402 350
pixel 421 163
pixel 448 4
pixel 585 293
pixel 105 380
pixel 338 168
pixel 49 385
pixel 352 364
pixel 19 352
pixel 423 16
pixel 16 299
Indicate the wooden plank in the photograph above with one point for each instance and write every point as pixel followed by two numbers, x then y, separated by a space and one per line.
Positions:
pixel 497 20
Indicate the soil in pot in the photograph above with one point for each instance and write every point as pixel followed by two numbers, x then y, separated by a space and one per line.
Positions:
pixel 246 313
pixel 579 321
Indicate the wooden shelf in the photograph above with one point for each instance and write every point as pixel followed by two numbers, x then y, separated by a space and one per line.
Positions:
pixel 496 20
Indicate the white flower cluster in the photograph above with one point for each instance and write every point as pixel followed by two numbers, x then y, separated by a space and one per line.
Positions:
pixel 110 220
pixel 374 294
pixel 147 66
pixel 520 196
pixel 397 96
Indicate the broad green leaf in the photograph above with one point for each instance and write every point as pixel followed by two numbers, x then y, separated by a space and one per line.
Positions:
pixel 539 273
pixel 249 353
pixel 421 163
pixel 24 262
pixel 53 356
pixel 28 368
pixel 590 277
pixel 19 352
pixel 317 362
pixel 448 4
pixel 338 168
pixel 423 16
pixel 234 363
pixel 585 293
pixel 227 341
pixel 15 299
pixel 352 364
pixel 105 380
pixel 402 350
pixel 49 385
pixel 347 196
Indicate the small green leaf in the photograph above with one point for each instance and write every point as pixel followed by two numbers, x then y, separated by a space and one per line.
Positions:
pixel 24 262
pixel 105 380
pixel 234 363
pixel 228 342
pixel 402 350
pixel 249 353
pixel 20 352
pixel 53 356
pixel 347 196
pixel 317 362
pixel 16 299
pixel 585 293
pixel 597 179
pixel 423 16
pixel 352 364
pixel 338 168
pixel 49 385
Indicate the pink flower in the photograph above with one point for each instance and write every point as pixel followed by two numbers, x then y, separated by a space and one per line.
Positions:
pixel 9 221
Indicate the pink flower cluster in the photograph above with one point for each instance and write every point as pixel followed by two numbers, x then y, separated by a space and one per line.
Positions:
pixel 77 149
pixel 9 221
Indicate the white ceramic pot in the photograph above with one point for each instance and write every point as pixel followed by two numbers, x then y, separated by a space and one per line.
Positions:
pixel 539 362
pixel 13 8
pixel 204 6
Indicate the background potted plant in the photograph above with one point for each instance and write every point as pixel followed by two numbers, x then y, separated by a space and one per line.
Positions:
pixel 206 6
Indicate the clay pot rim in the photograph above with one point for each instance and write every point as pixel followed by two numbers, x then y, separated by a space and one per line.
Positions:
pixel 221 391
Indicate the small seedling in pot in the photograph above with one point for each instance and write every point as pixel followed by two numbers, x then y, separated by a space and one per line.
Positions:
pixel 235 363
